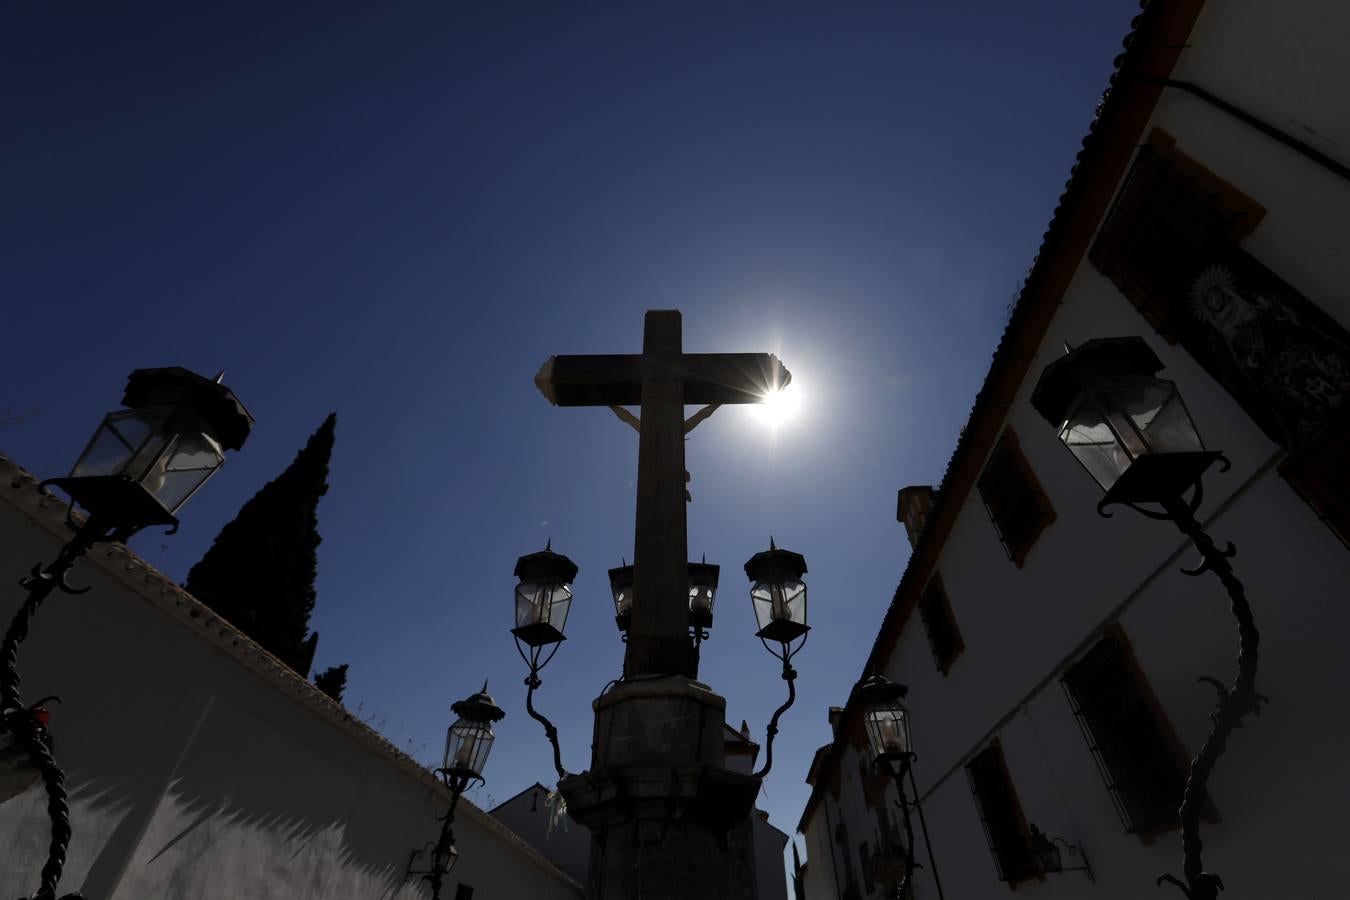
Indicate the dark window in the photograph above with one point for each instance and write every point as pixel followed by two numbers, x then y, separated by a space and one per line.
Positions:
pixel 865 857
pixel 1170 216
pixel 1171 244
pixel 463 892
pixel 938 621
pixel 1137 754
pixel 1321 475
pixel 1014 498
pixel 1001 814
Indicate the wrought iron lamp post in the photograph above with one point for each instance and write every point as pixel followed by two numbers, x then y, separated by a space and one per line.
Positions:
pixel 467 745
pixel 778 595
pixel 1133 434
pixel 543 599
pixel 142 464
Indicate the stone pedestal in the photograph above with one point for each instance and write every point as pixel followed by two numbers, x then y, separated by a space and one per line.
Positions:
pixel 659 801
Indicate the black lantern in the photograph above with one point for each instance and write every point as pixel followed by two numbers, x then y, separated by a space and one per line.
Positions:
pixel 887 723
pixel 1130 430
pixel 469 740
pixel 467 745
pixel 621 587
pixel 778 595
pixel 145 462
pixel 543 597
pixel 702 594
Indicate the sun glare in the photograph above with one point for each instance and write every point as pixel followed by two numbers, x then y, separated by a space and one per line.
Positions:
pixel 779 407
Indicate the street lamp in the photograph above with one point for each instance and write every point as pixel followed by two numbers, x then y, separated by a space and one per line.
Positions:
pixel 543 599
pixel 886 721
pixel 142 464
pixel 468 741
pixel 1133 434
pixel 778 596
pixel 702 595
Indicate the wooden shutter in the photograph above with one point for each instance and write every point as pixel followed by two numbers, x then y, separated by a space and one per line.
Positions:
pixel 1012 495
pixel 938 621
pixel 1004 825
pixel 1137 754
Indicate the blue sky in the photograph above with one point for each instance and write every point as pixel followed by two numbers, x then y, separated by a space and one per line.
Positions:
pixel 398 211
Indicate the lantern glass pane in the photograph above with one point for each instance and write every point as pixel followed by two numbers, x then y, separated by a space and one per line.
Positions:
pixel 126 443
pixel 1091 439
pixel 888 730
pixel 178 473
pixel 467 745
pixel 623 600
pixel 701 597
pixel 542 603
pixel 1155 410
pixel 445 859
pixel 779 601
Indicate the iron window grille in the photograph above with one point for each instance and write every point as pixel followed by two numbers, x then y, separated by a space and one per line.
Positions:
pixel 1169 213
pixel 1135 752
pixel 463 892
pixel 944 638
pixel 1017 506
pixel 1005 828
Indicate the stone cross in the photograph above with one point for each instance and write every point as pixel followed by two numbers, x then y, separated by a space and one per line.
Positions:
pixel 662 379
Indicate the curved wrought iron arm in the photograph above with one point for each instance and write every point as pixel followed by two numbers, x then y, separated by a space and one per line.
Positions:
pixel 550 731
pixel 909 839
pixel 790 676
pixel 1233 704
pixel 23 723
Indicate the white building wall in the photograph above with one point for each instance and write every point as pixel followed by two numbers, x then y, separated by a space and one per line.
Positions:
pixel 1280 829
pixel 566 844
pixel 198 769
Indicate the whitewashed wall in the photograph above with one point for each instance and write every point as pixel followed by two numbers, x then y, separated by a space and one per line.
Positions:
pixel 1279 787
pixel 200 768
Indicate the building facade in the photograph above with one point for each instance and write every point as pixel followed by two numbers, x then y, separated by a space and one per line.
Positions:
pixel 1051 654
pixel 200 767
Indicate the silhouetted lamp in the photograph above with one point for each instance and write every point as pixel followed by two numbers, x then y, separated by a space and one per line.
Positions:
pixel 543 596
pixel 469 740
pixel 778 595
pixel 1129 429
pixel 467 744
pixel 144 462
pixel 621 587
pixel 702 594
pixel 887 724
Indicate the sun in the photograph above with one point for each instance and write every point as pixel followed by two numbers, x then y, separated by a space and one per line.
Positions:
pixel 778 407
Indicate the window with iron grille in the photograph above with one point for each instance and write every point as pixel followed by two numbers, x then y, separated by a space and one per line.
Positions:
pixel 1004 825
pixel 1321 476
pixel 943 636
pixel 1139 757
pixel 1171 244
pixel 463 892
pixel 1012 495
pixel 866 860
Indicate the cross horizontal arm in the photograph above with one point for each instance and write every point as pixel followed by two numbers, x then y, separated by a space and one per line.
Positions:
pixel 616 379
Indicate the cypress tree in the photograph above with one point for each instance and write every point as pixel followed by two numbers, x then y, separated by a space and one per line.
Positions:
pixel 259 573
pixel 332 681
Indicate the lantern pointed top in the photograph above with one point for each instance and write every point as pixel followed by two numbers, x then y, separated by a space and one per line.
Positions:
pixel 772 545
pixel 548 547
pixel 479 707
pixel 1064 378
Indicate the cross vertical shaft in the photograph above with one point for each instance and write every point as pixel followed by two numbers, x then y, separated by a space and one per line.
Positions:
pixel 658 642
